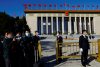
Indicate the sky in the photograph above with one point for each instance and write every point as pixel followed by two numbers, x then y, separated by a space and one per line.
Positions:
pixel 16 7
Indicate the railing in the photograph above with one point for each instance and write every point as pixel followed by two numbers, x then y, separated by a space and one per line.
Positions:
pixel 39 49
pixel 71 49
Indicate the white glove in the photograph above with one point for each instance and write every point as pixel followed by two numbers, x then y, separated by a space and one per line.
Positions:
pixel 81 50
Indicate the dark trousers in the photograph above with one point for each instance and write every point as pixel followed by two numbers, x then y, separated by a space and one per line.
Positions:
pixel 7 62
pixel 84 57
pixel 59 52
pixel 37 58
pixel 29 60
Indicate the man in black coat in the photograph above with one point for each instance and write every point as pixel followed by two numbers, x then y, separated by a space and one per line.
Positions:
pixel 20 50
pixel 36 40
pixel 28 49
pixel 14 53
pixel 84 47
pixel 59 41
pixel 6 44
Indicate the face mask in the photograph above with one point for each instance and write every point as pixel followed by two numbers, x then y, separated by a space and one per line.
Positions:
pixel 18 35
pixel 27 34
pixel 57 34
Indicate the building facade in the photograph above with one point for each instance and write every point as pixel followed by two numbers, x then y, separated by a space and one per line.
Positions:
pixel 66 21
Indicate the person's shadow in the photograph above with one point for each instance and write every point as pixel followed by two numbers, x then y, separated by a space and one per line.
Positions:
pixel 50 61
pixel 91 58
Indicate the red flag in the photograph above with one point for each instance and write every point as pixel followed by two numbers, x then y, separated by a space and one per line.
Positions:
pixel 97 6
pixel 60 5
pixel 25 5
pixel 29 5
pixel 65 4
pixel 78 6
pixel 73 6
pixel 45 5
pixel 55 5
pixel 39 5
pixel 50 5
pixel 34 4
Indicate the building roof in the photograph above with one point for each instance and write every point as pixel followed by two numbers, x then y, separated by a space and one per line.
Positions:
pixel 61 11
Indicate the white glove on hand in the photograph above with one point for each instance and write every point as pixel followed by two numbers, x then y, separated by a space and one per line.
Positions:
pixel 81 50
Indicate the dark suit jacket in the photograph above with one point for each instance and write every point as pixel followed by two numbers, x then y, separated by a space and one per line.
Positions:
pixel 59 39
pixel 84 43
pixel 36 39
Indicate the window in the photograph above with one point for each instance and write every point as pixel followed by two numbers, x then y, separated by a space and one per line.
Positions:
pixel 39 24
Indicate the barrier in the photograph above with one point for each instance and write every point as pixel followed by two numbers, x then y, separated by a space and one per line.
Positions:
pixel 39 49
pixel 71 49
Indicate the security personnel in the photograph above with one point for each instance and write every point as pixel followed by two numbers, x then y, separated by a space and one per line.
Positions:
pixel 84 47
pixel 36 40
pixel 13 53
pixel 6 43
pixel 20 50
pixel 28 49
pixel 59 41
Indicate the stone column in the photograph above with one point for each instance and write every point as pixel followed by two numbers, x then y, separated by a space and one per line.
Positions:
pixel 57 21
pixel 89 25
pixel 80 25
pixel 46 24
pixel 62 24
pixel 52 24
pixel 69 25
pixel 41 24
pixel 75 26
pixel 85 22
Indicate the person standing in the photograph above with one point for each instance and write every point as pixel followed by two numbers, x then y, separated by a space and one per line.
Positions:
pixel 84 47
pixel 6 43
pixel 59 41
pixel 20 50
pixel 36 40
pixel 28 49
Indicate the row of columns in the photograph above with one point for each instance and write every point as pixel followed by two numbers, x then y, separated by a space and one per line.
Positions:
pixel 69 24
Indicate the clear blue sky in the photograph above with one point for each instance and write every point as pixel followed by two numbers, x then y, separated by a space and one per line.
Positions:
pixel 16 8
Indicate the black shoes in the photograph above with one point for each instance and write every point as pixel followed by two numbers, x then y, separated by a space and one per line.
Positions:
pixel 88 65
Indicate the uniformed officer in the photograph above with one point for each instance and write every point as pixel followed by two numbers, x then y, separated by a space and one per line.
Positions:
pixel 19 41
pixel 13 53
pixel 6 43
pixel 59 41
pixel 28 49
pixel 36 40
pixel 84 47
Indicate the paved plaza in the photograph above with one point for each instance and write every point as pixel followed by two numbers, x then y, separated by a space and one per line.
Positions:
pixel 49 58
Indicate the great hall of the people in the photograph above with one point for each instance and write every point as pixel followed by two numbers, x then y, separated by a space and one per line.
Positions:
pixel 48 22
